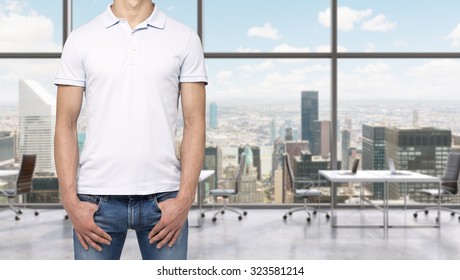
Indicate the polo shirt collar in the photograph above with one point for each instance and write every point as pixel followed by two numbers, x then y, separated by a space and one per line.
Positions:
pixel 157 19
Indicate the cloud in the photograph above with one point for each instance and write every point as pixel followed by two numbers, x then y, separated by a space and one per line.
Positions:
pixel 23 30
pixel 253 68
pixel 378 23
pixel 370 47
pixel 224 76
pixel 400 43
pixel 455 36
pixel 288 48
pixel 435 79
pixel 243 49
pixel 379 67
pixel 347 17
pixel 266 31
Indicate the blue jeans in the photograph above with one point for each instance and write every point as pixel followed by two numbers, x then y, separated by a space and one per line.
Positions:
pixel 118 213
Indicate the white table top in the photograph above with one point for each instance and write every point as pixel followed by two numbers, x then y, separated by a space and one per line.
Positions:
pixel 4 173
pixel 378 176
pixel 408 177
pixel 360 176
pixel 204 174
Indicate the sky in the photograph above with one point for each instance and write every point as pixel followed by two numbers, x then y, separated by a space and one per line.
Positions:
pixel 271 26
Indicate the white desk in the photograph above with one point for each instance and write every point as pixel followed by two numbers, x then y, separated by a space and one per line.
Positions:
pixel 8 173
pixel 411 177
pixel 4 173
pixel 374 176
pixel 334 177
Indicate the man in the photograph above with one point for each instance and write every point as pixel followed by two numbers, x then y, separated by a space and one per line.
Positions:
pixel 132 63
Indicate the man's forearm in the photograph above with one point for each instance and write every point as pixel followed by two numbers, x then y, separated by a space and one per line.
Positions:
pixel 66 160
pixel 192 156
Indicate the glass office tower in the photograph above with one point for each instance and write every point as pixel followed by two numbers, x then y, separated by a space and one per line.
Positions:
pixel 374 155
pixel 7 147
pixel 309 111
pixel 213 115
pixel 422 150
pixel 37 119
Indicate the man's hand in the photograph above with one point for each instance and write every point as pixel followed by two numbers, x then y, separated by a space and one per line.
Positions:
pixel 81 215
pixel 174 213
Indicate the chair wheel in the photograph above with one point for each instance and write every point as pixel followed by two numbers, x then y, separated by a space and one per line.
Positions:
pixel 426 212
pixel 415 215
pixel 214 219
pixel 245 213
pixel 308 219
pixel 290 213
pixel 17 218
pixel 284 217
pixel 19 211
pixel 452 214
pixel 202 215
pixel 66 217
pixel 222 212
pixel 314 212
pixel 36 213
pixel 327 216
pixel 240 218
pixel 437 219
pixel 459 218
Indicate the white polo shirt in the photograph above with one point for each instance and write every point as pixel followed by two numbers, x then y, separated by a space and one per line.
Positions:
pixel 131 79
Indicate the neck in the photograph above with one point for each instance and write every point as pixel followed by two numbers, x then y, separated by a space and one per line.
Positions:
pixel 133 11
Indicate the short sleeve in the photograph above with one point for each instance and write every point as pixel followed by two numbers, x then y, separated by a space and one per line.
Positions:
pixel 193 68
pixel 71 70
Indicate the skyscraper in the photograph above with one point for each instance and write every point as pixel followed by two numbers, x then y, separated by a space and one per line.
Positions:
pixel 213 115
pixel 255 158
pixel 7 148
pixel 309 111
pixel 346 142
pixel 37 118
pixel 272 131
pixel 322 138
pixel 374 155
pixel 210 163
pixel 288 134
pixel 422 150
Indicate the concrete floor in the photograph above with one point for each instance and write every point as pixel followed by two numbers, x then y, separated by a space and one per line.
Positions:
pixel 262 235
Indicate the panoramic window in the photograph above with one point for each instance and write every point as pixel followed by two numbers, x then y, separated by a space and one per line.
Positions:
pixel 274 89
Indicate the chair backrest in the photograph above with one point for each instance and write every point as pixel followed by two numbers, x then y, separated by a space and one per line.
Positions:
pixel 304 181
pixel 451 173
pixel 290 173
pixel 26 172
pixel 241 168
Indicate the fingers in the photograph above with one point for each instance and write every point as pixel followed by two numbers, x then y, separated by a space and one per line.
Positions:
pixel 166 237
pixel 168 229
pixel 88 233
pixel 82 241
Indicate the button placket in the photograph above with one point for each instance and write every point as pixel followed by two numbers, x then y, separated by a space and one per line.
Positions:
pixel 133 48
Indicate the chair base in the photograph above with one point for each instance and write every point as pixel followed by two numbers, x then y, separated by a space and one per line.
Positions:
pixel 427 210
pixel 19 212
pixel 309 210
pixel 222 211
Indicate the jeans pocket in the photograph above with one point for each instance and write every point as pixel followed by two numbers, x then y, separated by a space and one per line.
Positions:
pixel 94 199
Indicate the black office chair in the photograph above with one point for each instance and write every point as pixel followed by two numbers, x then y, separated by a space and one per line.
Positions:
pixel 227 192
pixel 449 185
pixel 22 184
pixel 307 190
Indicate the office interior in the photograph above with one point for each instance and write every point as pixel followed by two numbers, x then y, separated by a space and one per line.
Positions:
pixel 336 81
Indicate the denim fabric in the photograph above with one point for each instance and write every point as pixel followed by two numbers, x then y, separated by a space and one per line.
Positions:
pixel 116 214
